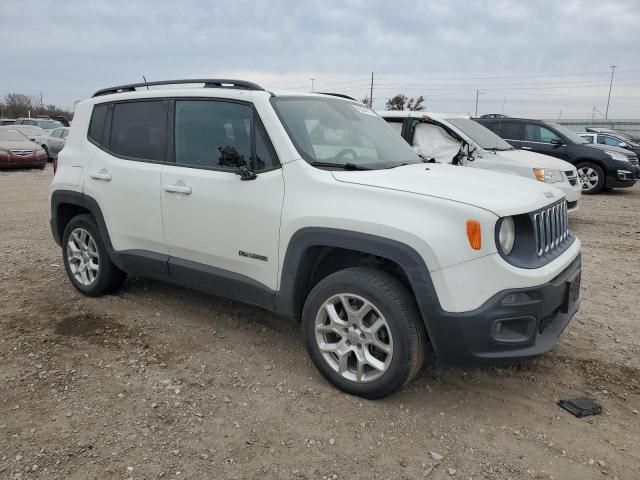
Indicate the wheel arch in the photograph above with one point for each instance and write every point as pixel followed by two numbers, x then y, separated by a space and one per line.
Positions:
pixel 314 253
pixel 66 204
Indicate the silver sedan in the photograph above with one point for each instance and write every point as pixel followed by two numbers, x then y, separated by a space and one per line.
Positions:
pixel 54 142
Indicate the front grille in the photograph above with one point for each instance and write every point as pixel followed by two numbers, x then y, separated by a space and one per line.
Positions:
pixel 572 177
pixel 551 227
pixel 22 153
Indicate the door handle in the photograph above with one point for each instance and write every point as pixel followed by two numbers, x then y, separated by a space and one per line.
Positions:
pixel 526 148
pixel 177 189
pixel 101 175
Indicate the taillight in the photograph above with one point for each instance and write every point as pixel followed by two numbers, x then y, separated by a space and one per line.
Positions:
pixel 55 165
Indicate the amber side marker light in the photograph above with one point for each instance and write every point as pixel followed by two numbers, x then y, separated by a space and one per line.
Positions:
pixel 473 234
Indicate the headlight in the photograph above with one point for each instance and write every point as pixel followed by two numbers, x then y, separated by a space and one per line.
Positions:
pixel 617 155
pixel 548 175
pixel 507 235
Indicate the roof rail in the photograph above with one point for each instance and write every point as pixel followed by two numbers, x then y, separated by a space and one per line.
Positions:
pixel 208 83
pixel 341 95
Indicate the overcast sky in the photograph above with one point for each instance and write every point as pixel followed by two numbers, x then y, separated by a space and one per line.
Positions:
pixel 534 58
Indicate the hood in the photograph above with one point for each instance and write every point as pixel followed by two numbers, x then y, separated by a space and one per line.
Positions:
pixel 624 151
pixel 531 159
pixel 499 193
pixel 25 145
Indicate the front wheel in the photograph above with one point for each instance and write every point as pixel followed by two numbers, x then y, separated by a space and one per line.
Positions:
pixel 591 177
pixel 363 332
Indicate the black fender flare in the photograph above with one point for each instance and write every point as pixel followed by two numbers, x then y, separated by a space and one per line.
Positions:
pixel 70 197
pixel 403 255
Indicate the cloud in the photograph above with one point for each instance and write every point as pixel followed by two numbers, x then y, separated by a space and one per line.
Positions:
pixel 81 46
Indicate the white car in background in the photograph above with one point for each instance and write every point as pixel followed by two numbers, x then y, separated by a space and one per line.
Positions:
pixel 30 131
pixel 457 139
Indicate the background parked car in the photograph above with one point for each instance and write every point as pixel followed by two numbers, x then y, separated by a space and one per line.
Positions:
pixel 7 121
pixel 16 150
pixel 611 138
pixel 43 123
pixel 599 166
pixel 32 132
pixel 54 142
pixel 456 138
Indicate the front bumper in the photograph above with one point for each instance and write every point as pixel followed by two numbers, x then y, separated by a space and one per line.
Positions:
pixel 499 332
pixel 15 161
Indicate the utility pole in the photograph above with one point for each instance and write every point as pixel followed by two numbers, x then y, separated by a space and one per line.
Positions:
pixel 371 92
pixel 312 79
pixel 613 69
pixel 478 93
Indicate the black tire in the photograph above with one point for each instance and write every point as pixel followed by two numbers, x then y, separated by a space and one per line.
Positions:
pixel 599 184
pixel 109 277
pixel 395 303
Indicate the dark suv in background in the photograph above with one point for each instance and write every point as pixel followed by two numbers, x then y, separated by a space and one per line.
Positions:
pixel 599 166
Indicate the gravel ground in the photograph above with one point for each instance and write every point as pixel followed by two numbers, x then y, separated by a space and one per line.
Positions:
pixel 161 382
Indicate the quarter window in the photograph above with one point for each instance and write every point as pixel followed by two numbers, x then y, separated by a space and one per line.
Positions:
pixel 98 120
pixel 218 135
pixel 138 130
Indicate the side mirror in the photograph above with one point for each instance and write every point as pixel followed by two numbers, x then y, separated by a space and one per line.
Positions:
pixel 623 145
pixel 556 141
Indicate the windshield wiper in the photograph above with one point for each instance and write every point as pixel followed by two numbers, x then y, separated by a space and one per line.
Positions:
pixel 343 166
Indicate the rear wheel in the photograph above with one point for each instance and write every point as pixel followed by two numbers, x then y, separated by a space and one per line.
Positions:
pixel 86 259
pixel 591 177
pixel 363 332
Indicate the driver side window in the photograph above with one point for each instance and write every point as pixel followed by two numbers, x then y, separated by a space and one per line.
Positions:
pixel 539 134
pixel 217 135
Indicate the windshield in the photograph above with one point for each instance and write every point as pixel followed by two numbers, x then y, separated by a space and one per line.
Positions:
pixel 12 136
pixel 49 124
pixel 479 134
pixel 334 131
pixel 568 134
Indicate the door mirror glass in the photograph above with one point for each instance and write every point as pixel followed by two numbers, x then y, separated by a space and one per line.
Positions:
pixel 556 141
pixel 623 145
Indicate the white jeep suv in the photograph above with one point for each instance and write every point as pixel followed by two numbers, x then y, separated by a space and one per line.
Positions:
pixel 311 206
pixel 447 137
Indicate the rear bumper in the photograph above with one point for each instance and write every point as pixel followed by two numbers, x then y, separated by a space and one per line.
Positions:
pixel 508 328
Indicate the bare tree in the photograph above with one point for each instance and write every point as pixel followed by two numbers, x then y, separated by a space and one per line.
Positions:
pixel 16 105
pixel 402 102
pixel 366 100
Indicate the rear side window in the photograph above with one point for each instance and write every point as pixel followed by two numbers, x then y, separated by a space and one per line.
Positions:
pixel 509 130
pixel 138 130
pixel 98 120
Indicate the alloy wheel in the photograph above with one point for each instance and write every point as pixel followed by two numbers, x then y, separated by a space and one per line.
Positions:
pixel 354 338
pixel 82 255
pixel 588 178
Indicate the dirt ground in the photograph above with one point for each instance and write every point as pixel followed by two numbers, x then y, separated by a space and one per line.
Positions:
pixel 161 382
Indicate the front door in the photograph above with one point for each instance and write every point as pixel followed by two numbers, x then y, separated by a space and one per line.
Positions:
pixel 543 140
pixel 212 218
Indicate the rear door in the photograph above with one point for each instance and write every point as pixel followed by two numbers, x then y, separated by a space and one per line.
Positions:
pixel 124 173
pixel 215 223
pixel 541 139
